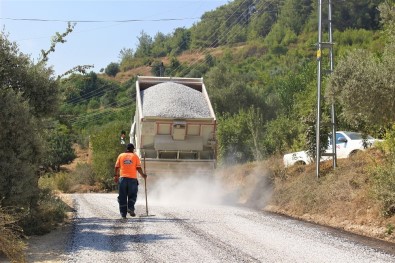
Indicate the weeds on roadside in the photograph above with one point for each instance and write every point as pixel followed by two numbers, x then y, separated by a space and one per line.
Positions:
pixel 384 186
pixel 69 182
pixel 49 211
pixel 384 175
pixel 11 234
pixel 390 229
pixel 84 174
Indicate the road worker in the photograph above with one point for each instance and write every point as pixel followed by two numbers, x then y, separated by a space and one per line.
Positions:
pixel 123 137
pixel 126 168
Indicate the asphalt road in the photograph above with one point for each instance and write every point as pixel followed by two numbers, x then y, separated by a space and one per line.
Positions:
pixel 203 233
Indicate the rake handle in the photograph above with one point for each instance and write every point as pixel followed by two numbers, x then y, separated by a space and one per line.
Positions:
pixel 145 188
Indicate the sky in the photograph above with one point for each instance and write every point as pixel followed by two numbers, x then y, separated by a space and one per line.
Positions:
pixel 93 43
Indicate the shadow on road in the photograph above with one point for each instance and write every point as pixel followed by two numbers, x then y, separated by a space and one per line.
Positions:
pixel 109 234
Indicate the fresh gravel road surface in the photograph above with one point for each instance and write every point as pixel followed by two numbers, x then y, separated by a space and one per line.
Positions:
pixel 203 233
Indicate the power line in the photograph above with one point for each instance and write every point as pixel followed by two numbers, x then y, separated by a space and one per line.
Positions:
pixel 194 64
pixel 222 36
pixel 113 105
pixel 99 115
pixel 91 94
pixel 100 21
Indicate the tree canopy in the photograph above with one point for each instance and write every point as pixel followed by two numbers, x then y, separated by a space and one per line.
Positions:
pixel 29 97
pixel 364 83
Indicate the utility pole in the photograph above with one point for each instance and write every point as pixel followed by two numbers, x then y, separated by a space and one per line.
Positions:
pixel 320 46
pixel 333 114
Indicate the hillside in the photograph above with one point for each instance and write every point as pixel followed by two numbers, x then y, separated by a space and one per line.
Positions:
pixel 186 57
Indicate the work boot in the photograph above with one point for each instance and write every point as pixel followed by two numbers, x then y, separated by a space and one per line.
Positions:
pixel 131 213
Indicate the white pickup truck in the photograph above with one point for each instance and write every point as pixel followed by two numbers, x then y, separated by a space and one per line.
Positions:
pixel 347 144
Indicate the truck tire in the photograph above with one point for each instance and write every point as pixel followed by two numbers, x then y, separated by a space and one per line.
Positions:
pixel 300 163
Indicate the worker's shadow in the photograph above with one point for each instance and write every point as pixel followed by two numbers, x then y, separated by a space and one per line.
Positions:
pixel 106 234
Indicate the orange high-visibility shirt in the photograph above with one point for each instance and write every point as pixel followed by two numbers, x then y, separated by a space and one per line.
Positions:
pixel 128 163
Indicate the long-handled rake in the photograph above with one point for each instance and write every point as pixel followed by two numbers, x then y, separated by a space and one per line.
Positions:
pixel 145 188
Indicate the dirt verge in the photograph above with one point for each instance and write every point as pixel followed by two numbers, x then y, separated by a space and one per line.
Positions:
pixel 51 247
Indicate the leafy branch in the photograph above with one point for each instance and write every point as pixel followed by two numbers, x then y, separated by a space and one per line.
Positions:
pixel 58 38
pixel 80 68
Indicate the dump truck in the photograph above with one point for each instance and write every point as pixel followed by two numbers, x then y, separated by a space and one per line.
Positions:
pixel 174 127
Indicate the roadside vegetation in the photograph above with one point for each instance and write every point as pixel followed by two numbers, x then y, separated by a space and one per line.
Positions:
pixel 258 62
pixel 32 142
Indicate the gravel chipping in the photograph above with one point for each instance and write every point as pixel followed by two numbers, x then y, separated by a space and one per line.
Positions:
pixel 203 233
pixel 174 100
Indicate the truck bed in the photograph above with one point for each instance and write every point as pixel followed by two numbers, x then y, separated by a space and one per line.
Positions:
pixel 169 167
pixel 174 127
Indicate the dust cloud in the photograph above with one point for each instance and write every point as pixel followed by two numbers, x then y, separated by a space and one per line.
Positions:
pixel 258 188
pixel 189 190
pixel 227 186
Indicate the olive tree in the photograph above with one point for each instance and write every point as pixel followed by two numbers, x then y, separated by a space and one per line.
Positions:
pixel 21 148
pixel 28 93
pixel 59 148
pixel 112 69
pixel 364 83
pixel 35 82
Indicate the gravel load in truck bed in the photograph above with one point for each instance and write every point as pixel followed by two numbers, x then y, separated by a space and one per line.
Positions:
pixel 174 100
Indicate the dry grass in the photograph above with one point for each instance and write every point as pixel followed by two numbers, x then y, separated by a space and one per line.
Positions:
pixel 340 198
pixel 11 243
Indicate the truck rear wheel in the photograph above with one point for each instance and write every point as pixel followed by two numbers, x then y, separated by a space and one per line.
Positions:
pixel 353 153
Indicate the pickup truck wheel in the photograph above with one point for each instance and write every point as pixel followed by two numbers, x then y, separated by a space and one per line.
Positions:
pixel 353 153
pixel 300 163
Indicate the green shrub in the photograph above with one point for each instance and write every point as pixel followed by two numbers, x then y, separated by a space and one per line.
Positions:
pixel 69 182
pixel 59 148
pixel 41 219
pixel 112 69
pixel 132 63
pixel 82 139
pixel 63 182
pixel 390 229
pixel 93 104
pixel 388 145
pixel 384 175
pixel 83 174
pixel 355 37
pixel 106 148
pixel 384 186
pixel 47 182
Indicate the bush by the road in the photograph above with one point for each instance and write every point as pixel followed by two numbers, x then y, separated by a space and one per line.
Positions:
pixel 11 243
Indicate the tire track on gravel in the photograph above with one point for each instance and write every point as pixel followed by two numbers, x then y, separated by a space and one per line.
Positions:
pixel 121 239
pixel 217 247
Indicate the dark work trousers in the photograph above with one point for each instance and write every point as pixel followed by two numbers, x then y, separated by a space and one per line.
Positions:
pixel 128 188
